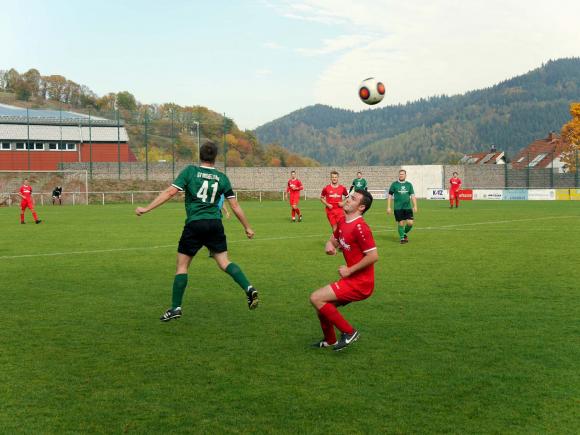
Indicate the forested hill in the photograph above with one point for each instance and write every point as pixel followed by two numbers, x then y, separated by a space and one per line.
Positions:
pixel 435 130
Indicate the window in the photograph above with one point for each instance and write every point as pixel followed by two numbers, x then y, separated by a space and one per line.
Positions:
pixel 537 159
pixel 52 146
pixel 62 146
pixel 19 145
pixel 30 145
pixel 71 146
pixel 5 145
pixel 38 146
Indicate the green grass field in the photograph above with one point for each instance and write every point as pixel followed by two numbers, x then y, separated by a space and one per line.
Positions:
pixel 473 327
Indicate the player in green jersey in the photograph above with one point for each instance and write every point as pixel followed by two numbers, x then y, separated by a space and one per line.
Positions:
pixel 404 194
pixel 359 183
pixel 203 186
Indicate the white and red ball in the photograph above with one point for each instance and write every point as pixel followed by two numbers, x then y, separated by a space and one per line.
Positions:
pixel 371 91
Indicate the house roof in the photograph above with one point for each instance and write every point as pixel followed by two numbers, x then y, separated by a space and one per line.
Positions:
pixel 540 153
pixel 485 158
pixel 20 132
pixel 19 115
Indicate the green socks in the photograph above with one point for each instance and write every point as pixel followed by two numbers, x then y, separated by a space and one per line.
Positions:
pixel 179 284
pixel 238 276
pixel 408 228
pixel 401 231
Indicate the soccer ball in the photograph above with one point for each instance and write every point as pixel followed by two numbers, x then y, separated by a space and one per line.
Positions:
pixel 371 91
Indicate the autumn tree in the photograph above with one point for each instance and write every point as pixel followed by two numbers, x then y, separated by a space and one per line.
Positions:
pixel 126 100
pixel 571 137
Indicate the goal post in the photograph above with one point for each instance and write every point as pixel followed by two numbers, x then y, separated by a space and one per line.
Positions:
pixel 75 186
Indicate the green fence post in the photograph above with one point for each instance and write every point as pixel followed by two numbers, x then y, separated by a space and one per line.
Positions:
pixel 552 172
pixel 528 173
pixel 576 178
pixel 172 145
pixel 28 137
pixel 118 145
pixel 225 147
pixel 505 171
pixel 90 148
pixel 60 136
pixel 146 148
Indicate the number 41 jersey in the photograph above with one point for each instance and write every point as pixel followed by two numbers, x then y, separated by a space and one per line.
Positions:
pixel 203 186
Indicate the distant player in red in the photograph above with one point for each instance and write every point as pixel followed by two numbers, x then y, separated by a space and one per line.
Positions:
pixel 332 197
pixel 454 187
pixel 26 194
pixel 294 187
pixel 357 279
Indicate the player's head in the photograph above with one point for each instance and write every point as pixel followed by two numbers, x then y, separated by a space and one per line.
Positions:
pixel 359 174
pixel 360 200
pixel 26 181
pixel 455 174
pixel 402 175
pixel 334 177
pixel 293 174
pixel 208 152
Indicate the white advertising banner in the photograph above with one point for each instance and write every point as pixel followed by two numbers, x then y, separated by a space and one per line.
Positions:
pixel 436 193
pixel 423 177
pixel 541 194
pixel 488 194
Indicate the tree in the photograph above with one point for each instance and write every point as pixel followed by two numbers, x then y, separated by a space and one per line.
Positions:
pixel 126 100
pixel 571 137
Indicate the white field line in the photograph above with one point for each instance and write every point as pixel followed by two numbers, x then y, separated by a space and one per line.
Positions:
pixel 267 239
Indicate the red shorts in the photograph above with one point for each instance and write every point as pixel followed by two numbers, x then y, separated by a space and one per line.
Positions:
pixel 352 290
pixel 25 203
pixel 294 198
pixel 334 214
pixel 453 194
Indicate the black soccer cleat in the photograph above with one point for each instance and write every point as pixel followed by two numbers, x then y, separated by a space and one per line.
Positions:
pixel 322 344
pixel 37 221
pixel 172 313
pixel 406 239
pixel 22 223
pixel 252 295
pixel 346 340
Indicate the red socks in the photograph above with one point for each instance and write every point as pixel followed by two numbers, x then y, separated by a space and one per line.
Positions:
pixel 332 315
pixel 298 211
pixel 293 214
pixel 327 328
pixel 35 216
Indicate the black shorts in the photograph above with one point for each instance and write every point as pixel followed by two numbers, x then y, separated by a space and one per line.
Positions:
pixel 205 232
pixel 403 215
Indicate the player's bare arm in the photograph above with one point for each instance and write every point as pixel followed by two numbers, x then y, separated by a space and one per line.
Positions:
pixel 326 204
pixel 331 246
pixel 239 213
pixel 371 257
pixel 161 199
pixel 389 199
pixel 414 199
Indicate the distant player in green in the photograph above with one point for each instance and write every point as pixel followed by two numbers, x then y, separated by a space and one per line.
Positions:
pixel 203 186
pixel 404 195
pixel 359 183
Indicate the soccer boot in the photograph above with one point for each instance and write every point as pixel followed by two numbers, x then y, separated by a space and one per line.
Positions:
pixel 300 218
pixel 252 295
pixel 346 340
pixel 172 313
pixel 37 221
pixel 406 239
pixel 322 344
pixel 22 223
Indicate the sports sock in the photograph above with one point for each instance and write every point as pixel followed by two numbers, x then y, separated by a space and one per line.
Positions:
pixel 456 202
pixel 331 313
pixel 298 212
pixel 21 216
pixel 327 328
pixel 401 230
pixel 238 276
pixel 293 214
pixel 179 284
pixel 408 228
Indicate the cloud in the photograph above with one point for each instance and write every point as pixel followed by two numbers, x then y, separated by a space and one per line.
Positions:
pixel 263 72
pixel 426 48
pixel 272 45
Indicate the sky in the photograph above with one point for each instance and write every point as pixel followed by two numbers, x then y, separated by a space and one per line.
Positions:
pixel 257 60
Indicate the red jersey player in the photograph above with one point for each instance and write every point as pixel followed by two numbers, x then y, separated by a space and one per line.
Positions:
pixel 331 197
pixel 454 186
pixel 357 279
pixel 294 187
pixel 25 193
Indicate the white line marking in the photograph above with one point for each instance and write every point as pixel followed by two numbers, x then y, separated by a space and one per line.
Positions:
pixel 268 239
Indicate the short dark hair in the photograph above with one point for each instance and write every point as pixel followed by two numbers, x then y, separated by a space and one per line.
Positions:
pixel 333 172
pixel 359 172
pixel 366 200
pixel 292 171
pixel 208 152
pixel 402 170
pixel 455 173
